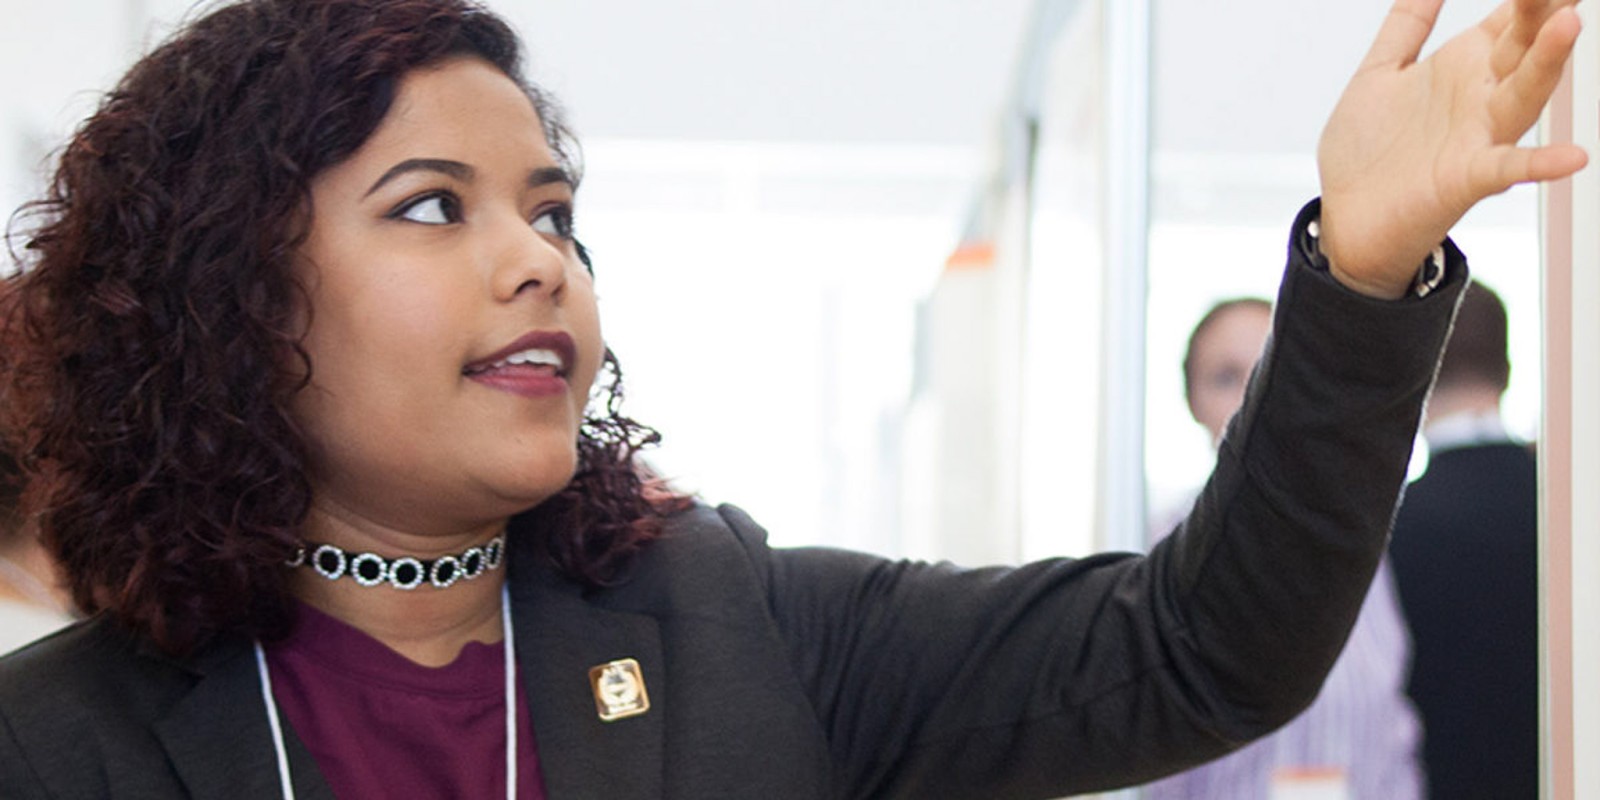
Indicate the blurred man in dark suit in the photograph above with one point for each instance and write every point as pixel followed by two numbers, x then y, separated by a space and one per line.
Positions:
pixel 1465 557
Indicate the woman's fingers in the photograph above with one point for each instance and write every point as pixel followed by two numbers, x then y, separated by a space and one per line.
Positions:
pixel 1412 146
pixel 1516 25
pixel 1516 102
pixel 1501 168
pixel 1405 30
pixel 1498 169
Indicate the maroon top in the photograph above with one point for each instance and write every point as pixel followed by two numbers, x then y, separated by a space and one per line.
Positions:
pixel 380 725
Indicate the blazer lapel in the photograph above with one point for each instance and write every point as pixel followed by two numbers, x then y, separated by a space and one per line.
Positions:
pixel 220 744
pixel 560 637
pixel 218 739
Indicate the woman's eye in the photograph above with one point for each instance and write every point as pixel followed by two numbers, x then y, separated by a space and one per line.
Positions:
pixel 554 222
pixel 433 209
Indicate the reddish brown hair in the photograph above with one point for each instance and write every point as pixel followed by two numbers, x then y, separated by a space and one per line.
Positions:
pixel 152 348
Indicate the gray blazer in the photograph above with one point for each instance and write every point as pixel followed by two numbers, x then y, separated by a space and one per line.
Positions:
pixel 817 673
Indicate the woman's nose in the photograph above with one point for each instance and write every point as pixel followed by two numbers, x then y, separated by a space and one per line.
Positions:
pixel 526 260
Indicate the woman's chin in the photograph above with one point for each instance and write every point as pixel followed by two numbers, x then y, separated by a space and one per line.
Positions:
pixel 528 490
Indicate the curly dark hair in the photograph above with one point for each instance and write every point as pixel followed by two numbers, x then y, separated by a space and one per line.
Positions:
pixel 153 345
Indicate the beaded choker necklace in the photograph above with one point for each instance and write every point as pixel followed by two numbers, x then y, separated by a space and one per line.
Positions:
pixel 407 573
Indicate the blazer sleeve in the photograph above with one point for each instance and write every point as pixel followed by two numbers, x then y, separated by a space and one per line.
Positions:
pixel 1077 675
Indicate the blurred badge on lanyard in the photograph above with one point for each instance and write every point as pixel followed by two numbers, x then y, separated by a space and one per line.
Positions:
pixel 1310 783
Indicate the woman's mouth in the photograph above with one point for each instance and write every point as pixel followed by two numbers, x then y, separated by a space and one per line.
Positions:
pixel 535 365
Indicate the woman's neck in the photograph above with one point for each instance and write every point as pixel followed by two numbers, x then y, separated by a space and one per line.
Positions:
pixel 427 625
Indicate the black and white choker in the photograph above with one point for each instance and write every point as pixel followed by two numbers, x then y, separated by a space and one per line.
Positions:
pixel 371 569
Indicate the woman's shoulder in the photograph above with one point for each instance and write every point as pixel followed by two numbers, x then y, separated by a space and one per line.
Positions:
pixel 712 564
pixel 95 706
pixel 63 658
pixel 95 662
pixel 702 525
pixel 699 543
pixel 97 634
pixel 718 554
pixel 705 535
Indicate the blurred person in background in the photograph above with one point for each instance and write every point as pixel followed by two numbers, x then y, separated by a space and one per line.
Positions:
pixel 1466 559
pixel 1359 738
pixel 32 600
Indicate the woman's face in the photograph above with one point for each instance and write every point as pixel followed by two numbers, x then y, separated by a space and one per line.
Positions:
pixel 453 333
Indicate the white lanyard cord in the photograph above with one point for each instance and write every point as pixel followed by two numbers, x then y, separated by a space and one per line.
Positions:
pixel 272 722
pixel 511 707
pixel 511 692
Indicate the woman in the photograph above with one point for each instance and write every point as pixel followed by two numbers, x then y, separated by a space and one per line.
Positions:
pixel 308 346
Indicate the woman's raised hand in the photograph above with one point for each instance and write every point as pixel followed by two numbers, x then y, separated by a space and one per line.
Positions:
pixel 1412 145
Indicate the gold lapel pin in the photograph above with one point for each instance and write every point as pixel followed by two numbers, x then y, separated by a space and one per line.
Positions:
pixel 619 690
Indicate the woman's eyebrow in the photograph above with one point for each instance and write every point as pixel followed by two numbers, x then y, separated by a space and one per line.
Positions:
pixel 454 169
pixel 463 172
pixel 548 175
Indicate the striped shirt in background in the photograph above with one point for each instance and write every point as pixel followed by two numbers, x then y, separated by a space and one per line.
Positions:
pixel 1359 740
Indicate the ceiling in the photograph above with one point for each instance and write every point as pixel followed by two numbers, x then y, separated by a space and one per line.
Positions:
pixel 1229 74
pixel 1240 77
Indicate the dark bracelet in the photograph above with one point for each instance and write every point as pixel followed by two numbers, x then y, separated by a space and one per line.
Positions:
pixel 1429 276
